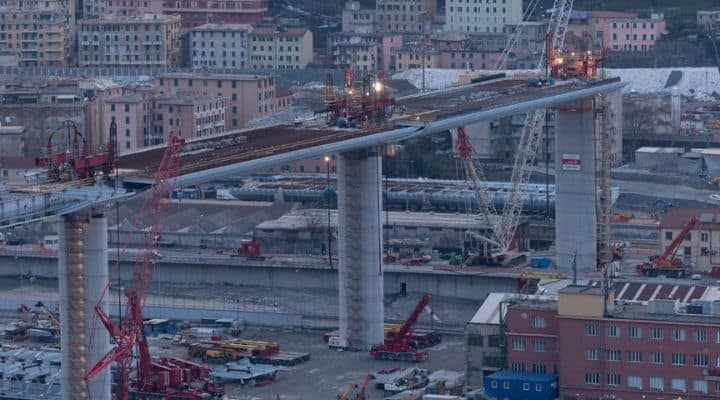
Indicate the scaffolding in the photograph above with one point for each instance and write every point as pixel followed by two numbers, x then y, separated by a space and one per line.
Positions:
pixel 604 161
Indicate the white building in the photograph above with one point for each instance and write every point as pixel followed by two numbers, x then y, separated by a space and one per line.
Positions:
pixel 219 45
pixel 481 16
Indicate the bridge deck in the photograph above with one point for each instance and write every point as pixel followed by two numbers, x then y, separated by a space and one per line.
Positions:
pixel 245 145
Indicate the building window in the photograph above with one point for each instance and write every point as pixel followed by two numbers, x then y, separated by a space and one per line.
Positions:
pixel 591 354
pixel 700 336
pixel 591 329
pixel 704 236
pixel 635 382
pixel 592 378
pixel 656 333
pixel 700 360
pixel 677 384
pixel 613 331
pixel 634 356
pixel 613 355
pixel 635 332
pixel 678 359
pixel 127 108
pixel 657 382
pixel 539 345
pixel 678 335
pixel 112 107
pixel 518 344
pixel 518 367
pixel 613 379
pixel 700 386
pixel 475 340
pixel 539 322
pixel 668 235
pixel 539 369
pixel 526 386
pixel 656 357
pixel 506 385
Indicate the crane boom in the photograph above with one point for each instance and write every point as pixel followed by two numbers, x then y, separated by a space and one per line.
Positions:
pixel 669 253
pixel 404 331
pixel 361 393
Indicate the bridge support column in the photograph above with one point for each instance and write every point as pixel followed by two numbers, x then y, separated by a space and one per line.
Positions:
pixel 575 187
pixel 360 270
pixel 83 274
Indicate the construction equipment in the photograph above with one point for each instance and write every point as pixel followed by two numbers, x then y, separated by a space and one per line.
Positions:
pixel 164 378
pixel 502 240
pixel 72 159
pixel 360 104
pixel 666 264
pixel 399 347
pixel 51 317
pixel 361 393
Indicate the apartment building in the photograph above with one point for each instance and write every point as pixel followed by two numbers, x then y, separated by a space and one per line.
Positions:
pixel 410 57
pixel 126 8
pixel 405 16
pixel 190 116
pixel 246 96
pixel 11 140
pixel 219 46
pixel 452 50
pixel 602 350
pixel 37 33
pixel 133 116
pixel 148 40
pixel 708 17
pixel 618 31
pixel 363 51
pixel 356 19
pixel 199 12
pixel 40 106
pixel 477 17
pixel 530 44
pixel 275 47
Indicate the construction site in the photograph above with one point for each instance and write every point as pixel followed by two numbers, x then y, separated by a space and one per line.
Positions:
pixel 193 270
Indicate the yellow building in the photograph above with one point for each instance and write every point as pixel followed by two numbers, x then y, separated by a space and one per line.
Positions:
pixel 701 247
pixel 273 47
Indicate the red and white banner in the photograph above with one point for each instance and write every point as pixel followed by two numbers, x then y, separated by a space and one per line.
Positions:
pixel 571 162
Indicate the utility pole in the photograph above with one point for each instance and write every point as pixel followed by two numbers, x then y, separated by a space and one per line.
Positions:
pixel 327 193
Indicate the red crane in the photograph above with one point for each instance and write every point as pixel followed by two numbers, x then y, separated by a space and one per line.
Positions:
pixel 361 393
pixel 399 347
pixel 666 264
pixel 168 377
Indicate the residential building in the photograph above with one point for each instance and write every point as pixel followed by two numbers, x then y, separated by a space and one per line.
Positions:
pixel 41 106
pixel 126 8
pixel 452 50
pixel 38 33
pixel 246 96
pixel 11 140
pixel 356 19
pixel 275 47
pixel 219 46
pixel 708 17
pixel 363 51
pixel 133 114
pixel 150 40
pixel 631 351
pixel 405 16
pixel 411 57
pixel 476 17
pixel 15 169
pixel 529 46
pixel 617 31
pixel 701 247
pixel 199 12
pixel 190 116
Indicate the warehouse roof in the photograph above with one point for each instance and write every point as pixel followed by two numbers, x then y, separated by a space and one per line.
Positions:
pixel 677 218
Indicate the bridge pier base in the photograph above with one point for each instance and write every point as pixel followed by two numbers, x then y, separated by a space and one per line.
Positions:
pixel 83 275
pixel 575 187
pixel 360 270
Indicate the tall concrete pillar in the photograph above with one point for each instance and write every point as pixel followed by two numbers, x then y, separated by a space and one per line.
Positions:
pixel 83 274
pixel 360 270
pixel 575 187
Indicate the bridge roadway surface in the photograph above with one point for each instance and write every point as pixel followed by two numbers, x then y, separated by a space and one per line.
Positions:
pixel 424 114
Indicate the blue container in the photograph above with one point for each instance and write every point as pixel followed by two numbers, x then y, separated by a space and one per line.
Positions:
pixel 521 386
pixel 540 262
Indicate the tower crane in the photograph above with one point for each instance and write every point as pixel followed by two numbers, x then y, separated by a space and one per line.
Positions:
pixel 151 377
pixel 502 240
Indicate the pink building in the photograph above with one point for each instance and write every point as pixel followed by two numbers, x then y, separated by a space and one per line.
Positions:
pixel 199 12
pixel 618 31
pixel 133 115
pixel 629 352
pixel 133 7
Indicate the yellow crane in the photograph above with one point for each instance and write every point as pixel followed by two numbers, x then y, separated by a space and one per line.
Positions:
pixel 345 395
pixel 50 316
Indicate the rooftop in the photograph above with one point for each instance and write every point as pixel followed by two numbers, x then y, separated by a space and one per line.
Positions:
pixel 127 98
pixel 208 75
pixel 273 30
pixel 523 376
pixel 124 20
pixel 642 312
pixel 12 130
pixel 677 218
pixel 577 289
pixel 186 100
pixel 223 27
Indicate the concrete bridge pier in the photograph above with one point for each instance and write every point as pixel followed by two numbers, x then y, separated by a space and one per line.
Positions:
pixel 83 274
pixel 575 186
pixel 360 270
